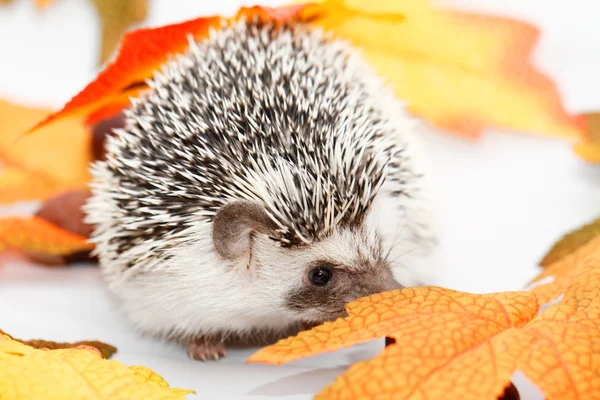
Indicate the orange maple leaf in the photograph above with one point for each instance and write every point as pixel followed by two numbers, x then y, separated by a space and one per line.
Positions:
pixel 450 344
pixel 38 235
pixel 555 279
pixel 436 330
pixel 560 348
pixel 467 73
pixel 560 351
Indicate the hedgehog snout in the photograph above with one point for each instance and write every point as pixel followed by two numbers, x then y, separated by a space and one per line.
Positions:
pixel 372 283
pixel 328 287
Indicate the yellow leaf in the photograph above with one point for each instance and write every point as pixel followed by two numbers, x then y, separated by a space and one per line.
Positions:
pixel 60 154
pixel 462 72
pixel 588 151
pixel 147 375
pixel 106 350
pixel 20 185
pixel 27 373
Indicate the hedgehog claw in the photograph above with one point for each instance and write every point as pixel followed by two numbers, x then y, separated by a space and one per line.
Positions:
pixel 204 350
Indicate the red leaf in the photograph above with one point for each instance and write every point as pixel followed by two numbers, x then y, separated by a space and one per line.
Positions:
pixel 140 54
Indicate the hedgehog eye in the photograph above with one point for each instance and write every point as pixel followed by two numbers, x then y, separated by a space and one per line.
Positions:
pixel 320 276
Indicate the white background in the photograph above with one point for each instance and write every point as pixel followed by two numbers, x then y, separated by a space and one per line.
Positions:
pixel 506 198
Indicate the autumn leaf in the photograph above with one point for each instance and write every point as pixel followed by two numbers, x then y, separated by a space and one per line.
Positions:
pixel 41 4
pixel 377 315
pixel 468 73
pixel 443 364
pixel 447 344
pixel 28 373
pixel 437 331
pixel 142 52
pixel 561 347
pixel 462 72
pixel 588 147
pixel 562 352
pixel 59 156
pixel 38 235
pixel 66 212
pixel 19 185
pixel 106 350
pixel 571 242
pixel 116 17
pixel 567 271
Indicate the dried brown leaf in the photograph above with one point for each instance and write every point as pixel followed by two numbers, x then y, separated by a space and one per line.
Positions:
pixel 105 349
pixel 571 242
pixel 116 17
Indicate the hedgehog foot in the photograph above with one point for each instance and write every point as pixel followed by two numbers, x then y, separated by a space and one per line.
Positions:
pixel 206 350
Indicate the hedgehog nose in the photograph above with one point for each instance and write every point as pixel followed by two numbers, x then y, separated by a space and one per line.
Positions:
pixel 388 282
pixel 385 284
pixel 392 284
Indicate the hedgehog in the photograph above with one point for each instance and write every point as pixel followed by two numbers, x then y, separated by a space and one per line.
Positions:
pixel 260 185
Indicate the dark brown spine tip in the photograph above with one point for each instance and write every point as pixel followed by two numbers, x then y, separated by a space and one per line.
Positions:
pixel 389 341
pixel 510 393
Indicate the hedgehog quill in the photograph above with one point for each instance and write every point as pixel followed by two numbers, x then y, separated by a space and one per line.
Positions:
pixel 266 179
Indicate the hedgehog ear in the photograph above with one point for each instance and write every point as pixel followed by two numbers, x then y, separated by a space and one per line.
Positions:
pixel 234 223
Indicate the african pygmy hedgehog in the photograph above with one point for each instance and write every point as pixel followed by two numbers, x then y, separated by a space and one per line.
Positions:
pixel 258 186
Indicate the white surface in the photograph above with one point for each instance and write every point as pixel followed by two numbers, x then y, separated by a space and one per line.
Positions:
pixel 506 197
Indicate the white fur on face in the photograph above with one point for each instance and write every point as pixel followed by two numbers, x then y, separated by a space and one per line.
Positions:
pixel 196 292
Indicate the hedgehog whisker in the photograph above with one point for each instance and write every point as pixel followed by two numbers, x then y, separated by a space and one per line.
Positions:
pixel 400 265
pixel 395 241
pixel 402 255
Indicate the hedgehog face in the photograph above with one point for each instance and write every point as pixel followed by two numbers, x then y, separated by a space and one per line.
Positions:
pixel 310 283
pixel 337 270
